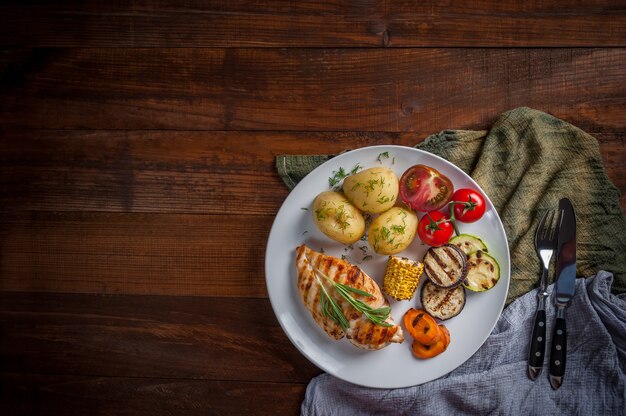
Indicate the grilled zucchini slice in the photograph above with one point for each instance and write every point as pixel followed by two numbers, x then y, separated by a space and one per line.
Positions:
pixel 445 266
pixel 483 272
pixel 469 243
pixel 442 303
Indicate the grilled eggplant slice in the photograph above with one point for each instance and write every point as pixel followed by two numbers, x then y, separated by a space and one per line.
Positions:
pixel 445 266
pixel 483 272
pixel 442 303
pixel 469 243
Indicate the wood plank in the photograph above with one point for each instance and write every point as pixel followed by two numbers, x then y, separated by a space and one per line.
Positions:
pixel 108 253
pixel 180 172
pixel 153 171
pixel 308 89
pixel 219 339
pixel 312 23
pixel 26 394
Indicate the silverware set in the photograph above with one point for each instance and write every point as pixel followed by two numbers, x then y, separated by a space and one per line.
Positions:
pixel 556 233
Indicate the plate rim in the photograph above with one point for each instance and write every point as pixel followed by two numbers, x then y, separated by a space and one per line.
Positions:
pixel 303 182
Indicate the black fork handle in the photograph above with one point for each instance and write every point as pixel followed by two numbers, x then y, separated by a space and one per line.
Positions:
pixel 537 345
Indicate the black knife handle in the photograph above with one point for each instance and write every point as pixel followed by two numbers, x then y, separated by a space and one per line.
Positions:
pixel 537 345
pixel 558 353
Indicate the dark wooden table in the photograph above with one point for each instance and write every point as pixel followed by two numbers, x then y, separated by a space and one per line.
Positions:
pixel 137 187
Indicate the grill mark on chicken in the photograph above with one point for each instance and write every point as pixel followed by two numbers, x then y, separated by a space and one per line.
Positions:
pixel 385 333
pixel 375 334
pixel 339 278
pixel 362 332
pixel 311 297
pixel 326 264
pixel 353 276
pixel 313 291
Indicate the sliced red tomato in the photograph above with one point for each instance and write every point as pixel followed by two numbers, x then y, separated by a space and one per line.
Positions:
pixel 435 228
pixel 469 205
pixel 425 189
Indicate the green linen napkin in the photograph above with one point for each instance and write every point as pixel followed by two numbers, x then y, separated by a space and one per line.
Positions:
pixel 526 163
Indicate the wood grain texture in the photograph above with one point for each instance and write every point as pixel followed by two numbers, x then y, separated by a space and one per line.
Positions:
pixel 159 171
pixel 308 89
pixel 137 177
pixel 89 211
pixel 219 339
pixel 312 23
pixel 202 255
pixel 180 172
pixel 31 394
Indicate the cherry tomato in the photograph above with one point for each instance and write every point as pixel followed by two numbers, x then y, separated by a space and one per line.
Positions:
pixel 425 189
pixel 469 205
pixel 435 228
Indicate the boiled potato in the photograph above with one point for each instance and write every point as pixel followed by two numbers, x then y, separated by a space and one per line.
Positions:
pixel 373 190
pixel 336 217
pixel 393 231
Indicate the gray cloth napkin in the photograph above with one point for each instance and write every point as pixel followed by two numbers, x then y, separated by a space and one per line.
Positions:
pixel 493 381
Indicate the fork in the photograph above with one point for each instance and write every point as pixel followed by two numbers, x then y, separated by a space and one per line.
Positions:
pixel 545 243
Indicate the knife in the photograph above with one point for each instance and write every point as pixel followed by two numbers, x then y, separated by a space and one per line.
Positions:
pixel 564 290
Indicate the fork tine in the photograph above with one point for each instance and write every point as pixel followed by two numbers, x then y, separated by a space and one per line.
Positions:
pixel 540 228
pixel 547 231
pixel 554 233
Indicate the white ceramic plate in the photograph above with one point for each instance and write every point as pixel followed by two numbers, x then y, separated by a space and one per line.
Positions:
pixel 394 366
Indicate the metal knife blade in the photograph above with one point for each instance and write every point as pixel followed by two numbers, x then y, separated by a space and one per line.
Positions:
pixel 564 290
pixel 566 254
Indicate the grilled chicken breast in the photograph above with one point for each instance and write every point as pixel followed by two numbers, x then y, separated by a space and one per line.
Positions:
pixel 362 332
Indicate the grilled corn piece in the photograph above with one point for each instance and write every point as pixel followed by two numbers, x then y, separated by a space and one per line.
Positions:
pixel 402 277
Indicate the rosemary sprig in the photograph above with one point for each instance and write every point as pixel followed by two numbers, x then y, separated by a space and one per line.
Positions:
pixel 331 309
pixel 378 316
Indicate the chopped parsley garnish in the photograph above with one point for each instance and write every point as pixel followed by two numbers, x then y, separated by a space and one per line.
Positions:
pixel 382 199
pixel 339 214
pixel 355 169
pixel 337 177
pixel 341 174
pixel 381 156
pixel 398 229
